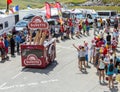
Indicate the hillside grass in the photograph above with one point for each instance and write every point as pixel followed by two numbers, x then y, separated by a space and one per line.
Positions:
pixel 34 3
pixel 40 3
pixel 110 1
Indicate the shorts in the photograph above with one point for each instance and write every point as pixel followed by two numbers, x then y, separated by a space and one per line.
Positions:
pixel 100 69
pixel 6 50
pixel 56 35
pixel 110 74
pixel 108 43
pixel 79 58
pixel 86 58
pixel 82 58
pixel 2 50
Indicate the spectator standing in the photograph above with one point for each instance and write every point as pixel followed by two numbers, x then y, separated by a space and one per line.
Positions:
pixel 6 42
pixel 18 40
pixel 2 49
pixel 12 46
pixel 101 67
pixel 108 39
pixel 110 72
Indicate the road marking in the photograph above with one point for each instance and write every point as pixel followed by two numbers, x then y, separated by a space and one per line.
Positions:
pixel 48 81
pixel 3 84
pixel 18 74
pixel 24 85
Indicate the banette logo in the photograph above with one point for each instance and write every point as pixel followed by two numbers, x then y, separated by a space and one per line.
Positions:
pixel 32 60
pixel 38 23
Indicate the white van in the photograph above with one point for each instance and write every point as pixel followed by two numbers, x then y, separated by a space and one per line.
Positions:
pixel 106 14
pixel 73 14
pixel 90 14
pixel 7 22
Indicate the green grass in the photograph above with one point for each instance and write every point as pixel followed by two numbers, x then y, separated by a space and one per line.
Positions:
pixel 40 3
pixel 72 1
pixel 34 3
pixel 109 1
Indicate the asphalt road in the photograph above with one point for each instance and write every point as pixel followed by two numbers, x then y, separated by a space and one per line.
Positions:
pixel 62 75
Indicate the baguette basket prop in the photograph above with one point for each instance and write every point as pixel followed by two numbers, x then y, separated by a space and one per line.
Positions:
pixel 40 52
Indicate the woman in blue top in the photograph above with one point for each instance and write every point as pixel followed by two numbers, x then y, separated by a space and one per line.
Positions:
pixel 110 72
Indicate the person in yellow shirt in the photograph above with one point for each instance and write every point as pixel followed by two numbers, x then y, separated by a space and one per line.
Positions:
pixel 101 23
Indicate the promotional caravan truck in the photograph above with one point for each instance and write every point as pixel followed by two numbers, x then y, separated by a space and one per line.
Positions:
pixel 42 50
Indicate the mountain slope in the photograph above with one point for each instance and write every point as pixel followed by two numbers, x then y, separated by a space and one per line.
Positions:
pixel 34 3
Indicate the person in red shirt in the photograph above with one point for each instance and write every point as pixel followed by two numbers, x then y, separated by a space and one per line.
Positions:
pixel 2 49
pixel 62 31
pixel 114 44
pixel 105 50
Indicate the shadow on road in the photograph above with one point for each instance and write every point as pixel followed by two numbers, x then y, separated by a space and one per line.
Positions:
pixel 46 70
pixel 115 89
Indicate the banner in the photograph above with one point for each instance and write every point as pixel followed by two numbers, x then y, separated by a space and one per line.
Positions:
pixel 9 2
pixel 58 6
pixel 48 10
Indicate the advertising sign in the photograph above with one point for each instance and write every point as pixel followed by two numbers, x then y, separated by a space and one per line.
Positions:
pixel 38 23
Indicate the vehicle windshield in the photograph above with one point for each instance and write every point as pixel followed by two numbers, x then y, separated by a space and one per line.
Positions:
pixel 22 24
pixel 37 52
pixel 79 15
pixel 103 13
pixel 113 13
pixel 94 16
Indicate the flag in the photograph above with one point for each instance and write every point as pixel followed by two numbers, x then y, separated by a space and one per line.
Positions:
pixel 15 9
pixel 9 2
pixel 48 10
pixel 58 6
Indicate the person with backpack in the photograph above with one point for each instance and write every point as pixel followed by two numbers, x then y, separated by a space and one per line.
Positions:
pixel 110 72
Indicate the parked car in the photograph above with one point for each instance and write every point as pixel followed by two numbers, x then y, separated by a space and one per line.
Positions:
pixel 28 17
pixel 21 25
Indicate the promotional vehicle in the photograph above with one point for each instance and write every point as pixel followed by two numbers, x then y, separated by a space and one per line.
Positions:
pixel 38 56
pixel 40 52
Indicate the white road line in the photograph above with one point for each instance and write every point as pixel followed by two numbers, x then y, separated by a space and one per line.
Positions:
pixel 48 81
pixel 24 85
pixel 18 74
pixel 3 84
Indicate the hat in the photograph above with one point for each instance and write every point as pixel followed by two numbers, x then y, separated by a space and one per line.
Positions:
pixel 80 46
